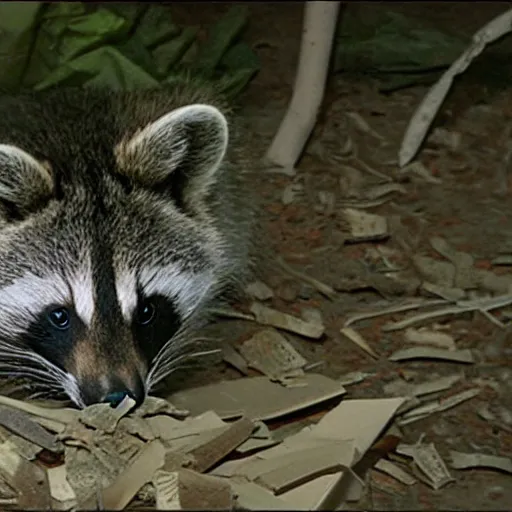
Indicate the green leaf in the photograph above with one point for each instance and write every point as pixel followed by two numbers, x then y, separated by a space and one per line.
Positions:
pixel 103 67
pixel 241 64
pixel 233 84
pixel 222 35
pixel 390 42
pixel 65 35
pixel 168 54
pixel 130 11
pixel 155 27
pixel 18 21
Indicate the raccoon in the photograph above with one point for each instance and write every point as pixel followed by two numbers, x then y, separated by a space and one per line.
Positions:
pixel 122 221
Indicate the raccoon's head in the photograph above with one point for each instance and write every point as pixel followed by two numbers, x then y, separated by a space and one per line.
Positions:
pixel 108 255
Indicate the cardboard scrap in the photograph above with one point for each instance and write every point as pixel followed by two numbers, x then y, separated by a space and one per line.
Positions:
pixel 304 471
pixel 433 470
pixel 363 226
pixel 60 488
pixel 462 460
pixel 271 317
pixel 456 356
pixel 271 354
pixel 249 397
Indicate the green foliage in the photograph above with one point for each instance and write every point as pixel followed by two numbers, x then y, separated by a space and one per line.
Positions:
pixel 118 46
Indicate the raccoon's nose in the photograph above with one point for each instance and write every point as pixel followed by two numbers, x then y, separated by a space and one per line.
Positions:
pixel 119 391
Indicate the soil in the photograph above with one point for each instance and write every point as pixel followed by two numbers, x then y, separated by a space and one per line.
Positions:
pixel 469 206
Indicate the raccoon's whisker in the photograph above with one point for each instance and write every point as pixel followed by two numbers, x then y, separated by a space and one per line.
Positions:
pixel 164 371
pixel 16 371
pixel 7 351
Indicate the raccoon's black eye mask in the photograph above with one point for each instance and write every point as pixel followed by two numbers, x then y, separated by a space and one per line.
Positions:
pixel 60 318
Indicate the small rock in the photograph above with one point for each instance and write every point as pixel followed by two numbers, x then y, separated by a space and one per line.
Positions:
pixel 505 415
pixel 290 193
pixel 287 291
pixel 312 315
pixel 306 291
pixel 443 137
pixel 259 290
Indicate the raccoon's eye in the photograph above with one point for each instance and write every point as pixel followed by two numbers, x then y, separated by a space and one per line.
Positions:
pixel 59 318
pixel 146 313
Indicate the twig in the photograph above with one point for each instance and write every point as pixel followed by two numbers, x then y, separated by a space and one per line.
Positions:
pixel 392 309
pixel 321 287
pixel 461 307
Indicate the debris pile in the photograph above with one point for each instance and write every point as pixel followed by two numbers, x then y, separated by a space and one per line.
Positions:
pixel 219 455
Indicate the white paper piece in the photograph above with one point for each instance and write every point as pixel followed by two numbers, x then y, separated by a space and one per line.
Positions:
pixel 462 460
pixel 426 112
pixel 60 488
pixel 432 465
pixel 167 492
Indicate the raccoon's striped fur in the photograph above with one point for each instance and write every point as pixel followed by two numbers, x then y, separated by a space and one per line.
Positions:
pixel 120 222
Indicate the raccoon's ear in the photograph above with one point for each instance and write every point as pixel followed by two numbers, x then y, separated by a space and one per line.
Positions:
pixel 190 142
pixel 25 183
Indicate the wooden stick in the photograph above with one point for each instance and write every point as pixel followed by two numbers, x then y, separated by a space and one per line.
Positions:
pixel 320 20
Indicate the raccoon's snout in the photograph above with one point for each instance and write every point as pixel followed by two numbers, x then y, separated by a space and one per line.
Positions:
pixel 114 391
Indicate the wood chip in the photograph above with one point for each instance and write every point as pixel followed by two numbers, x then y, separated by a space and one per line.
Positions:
pixel 353 378
pixel 249 397
pixel 271 354
pixel 438 406
pixel 434 386
pixel 363 226
pixel 209 454
pixel 462 460
pixel 274 318
pixel 119 494
pixel 456 356
pixel 429 337
pixel 63 415
pixel 356 338
pixel 21 424
pixel 395 471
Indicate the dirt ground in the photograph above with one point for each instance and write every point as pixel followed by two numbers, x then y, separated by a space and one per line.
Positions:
pixel 468 205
